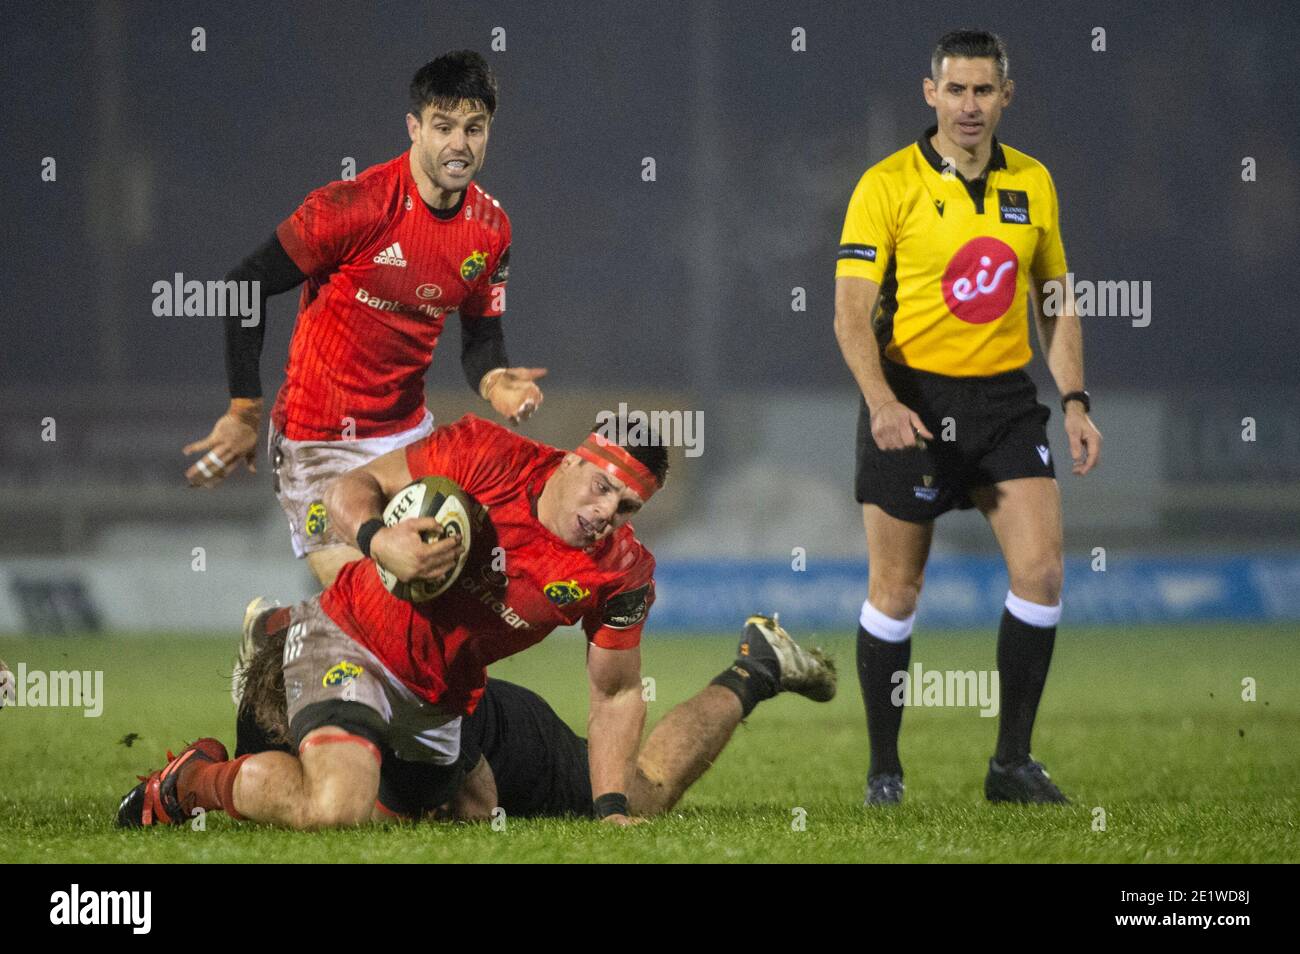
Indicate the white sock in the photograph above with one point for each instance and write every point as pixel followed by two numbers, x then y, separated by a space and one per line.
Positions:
pixel 1035 614
pixel 885 628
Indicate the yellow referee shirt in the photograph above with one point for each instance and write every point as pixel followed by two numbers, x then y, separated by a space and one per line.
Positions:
pixel 954 258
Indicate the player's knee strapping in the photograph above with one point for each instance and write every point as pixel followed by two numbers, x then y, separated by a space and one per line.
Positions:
pixel 334 737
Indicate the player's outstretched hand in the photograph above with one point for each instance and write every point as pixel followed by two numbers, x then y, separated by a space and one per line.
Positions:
pixel 401 550
pixel 1085 439
pixel 622 821
pixel 514 393
pixel 233 441
pixel 895 426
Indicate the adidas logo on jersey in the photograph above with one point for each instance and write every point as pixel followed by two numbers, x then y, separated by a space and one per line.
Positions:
pixel 391 256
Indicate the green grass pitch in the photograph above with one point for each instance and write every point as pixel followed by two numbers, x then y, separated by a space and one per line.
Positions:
pixel 1146 723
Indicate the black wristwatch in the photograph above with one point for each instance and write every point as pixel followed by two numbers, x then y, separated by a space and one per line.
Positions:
pixel 1081 396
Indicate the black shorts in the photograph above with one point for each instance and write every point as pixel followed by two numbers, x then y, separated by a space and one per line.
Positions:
pixel 540 764
pixel 986 430
pixel 415 789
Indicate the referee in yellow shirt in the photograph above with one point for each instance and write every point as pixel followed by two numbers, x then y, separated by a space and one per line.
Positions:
pixel 944 241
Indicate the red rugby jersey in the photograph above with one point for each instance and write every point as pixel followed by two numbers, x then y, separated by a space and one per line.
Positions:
pixel 441 649
pixel 382 273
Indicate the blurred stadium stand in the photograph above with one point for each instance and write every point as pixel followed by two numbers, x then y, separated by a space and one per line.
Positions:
pixel 100 527
pixel 776 471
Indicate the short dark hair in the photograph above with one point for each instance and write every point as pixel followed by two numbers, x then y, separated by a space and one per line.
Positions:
pixel 651 453
pixel 973 45
pixel 655 458
pixel 453 78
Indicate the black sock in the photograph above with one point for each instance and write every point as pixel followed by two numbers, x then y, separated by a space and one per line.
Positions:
pixel 750 681
pixel 878 660
pixel 1024 655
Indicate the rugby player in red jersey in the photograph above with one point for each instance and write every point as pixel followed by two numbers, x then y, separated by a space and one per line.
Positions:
pixel 526 761
pixel 384 258
pixel 372 680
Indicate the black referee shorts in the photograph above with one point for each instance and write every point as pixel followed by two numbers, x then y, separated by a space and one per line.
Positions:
pixel 986 430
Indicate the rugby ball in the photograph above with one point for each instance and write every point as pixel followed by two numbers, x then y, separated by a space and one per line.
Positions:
pixel 442 499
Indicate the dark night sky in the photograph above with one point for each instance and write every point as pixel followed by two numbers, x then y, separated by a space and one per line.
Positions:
pixel 614 280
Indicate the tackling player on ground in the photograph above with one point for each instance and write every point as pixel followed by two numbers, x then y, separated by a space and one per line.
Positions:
pixel 526 761
pixel 372 680
pixel 384 258
pixel 943 243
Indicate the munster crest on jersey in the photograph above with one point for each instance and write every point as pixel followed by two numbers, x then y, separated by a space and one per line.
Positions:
pixel 317 519
pixel 341 674
pixel 473 266
pixel 564 592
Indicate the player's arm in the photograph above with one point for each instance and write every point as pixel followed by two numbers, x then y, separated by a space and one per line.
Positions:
pixel 614 722
pixel 355 503
pixel 893 425
pixel 233 439
pixel 1061 338
pixel 512 392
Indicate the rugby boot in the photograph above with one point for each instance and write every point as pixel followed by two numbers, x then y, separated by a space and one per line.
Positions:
pixel 155 801
pixel 808 672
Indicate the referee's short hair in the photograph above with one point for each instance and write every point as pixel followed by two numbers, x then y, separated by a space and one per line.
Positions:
pixel 971 44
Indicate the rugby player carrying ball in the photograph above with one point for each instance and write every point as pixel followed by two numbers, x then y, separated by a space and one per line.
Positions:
pixel 372 680
pixel 377 688
pixel 384 258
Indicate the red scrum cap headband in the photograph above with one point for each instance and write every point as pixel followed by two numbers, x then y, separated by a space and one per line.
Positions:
pixel 614 460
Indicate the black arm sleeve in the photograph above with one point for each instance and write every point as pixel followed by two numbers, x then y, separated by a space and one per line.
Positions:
pixel 482 347
pixel 274 269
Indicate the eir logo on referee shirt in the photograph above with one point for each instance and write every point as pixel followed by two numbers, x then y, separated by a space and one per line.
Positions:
pixel 979 283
